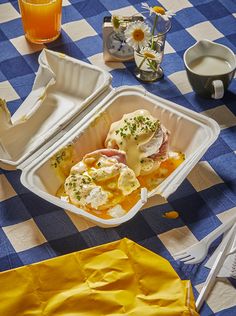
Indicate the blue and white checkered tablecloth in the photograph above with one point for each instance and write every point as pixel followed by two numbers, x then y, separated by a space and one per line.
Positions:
pixel 32 229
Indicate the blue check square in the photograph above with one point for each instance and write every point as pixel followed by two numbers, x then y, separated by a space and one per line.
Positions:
pixel 232 39
pixel 15 67
pixel 106 235
pixel 196 214
pixel 227 42
pixel 180 40
pixel 199 104
pixel 7 51
pixel 226 25
pixel 132 230
pixel 213 11
pixel 98 23
pixel 2 36
pixel 175 26
pixel 14 177
pixel 36 254
pixel 10 261
pixel 32 61
pixel 68 244
pixel 6 248
pixel 2 77
pixel 219 198
pixel 228 135
pixel 69 14
pixel 55 225
pixel 91 45
pixel 218 148
pixel 219 163
pixel 37 206
pixel 228 4
pixel 69 49
pixel 13 211
pixel 189 17
pixel 87 10
pixel 114 5
pixel 172 63
pixel 23 86
pixel 12 28
pixel 155 218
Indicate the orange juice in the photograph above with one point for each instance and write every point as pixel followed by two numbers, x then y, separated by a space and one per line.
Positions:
pixel 41 19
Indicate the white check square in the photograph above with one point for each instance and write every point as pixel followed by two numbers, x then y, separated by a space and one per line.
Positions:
pixel 204 30
pixel 78 30
pixel 25 47
pixel 222 115
pixel 7 92
pixel 126 11
pixel 181 81
pixel 6 190
pixel 175 6
pixel 8 13
pixel 24 235
pixel 221 297
pixel 203 176
pixel 98 60
pixel 227 215
pixel 79 222
pixel 65 3
pixel 154 201
pixel 177 239
pixel 168 48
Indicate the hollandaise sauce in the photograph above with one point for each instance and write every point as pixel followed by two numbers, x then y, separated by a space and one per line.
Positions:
pixel 130 133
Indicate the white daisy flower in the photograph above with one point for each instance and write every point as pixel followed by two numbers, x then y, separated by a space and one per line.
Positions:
pixel 149 53
pixel 116 23
pixel 137 34
pixel 166 15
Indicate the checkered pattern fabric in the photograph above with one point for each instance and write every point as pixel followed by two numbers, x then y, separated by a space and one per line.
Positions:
pixel 32 229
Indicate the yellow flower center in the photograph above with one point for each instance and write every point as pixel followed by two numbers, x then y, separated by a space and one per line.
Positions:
pixel 116 22
pixel 138 35
pixel 159 10
pixel 149 55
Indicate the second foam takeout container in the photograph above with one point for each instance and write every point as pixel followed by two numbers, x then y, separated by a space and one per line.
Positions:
pixel 73 104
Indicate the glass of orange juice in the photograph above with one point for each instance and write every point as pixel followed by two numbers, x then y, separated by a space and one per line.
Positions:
pixel 41 19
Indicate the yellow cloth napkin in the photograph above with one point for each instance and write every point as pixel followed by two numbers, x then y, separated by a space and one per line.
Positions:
pixel 118 278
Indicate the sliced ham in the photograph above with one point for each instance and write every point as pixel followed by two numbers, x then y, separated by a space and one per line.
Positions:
pixel 119 155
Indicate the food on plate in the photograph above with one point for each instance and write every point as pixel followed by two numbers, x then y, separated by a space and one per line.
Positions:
pixel 100 181
pixel 143 138
pixel 108 182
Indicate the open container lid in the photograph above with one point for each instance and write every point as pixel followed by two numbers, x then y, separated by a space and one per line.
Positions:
pixel 70 86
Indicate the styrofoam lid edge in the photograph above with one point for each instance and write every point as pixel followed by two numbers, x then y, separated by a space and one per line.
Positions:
pixel 45 77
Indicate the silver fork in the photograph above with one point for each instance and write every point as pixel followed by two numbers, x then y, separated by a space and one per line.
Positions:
pixel 197 252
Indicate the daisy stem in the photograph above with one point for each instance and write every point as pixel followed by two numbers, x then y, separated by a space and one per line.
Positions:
pixel 150 63
pixel 139 67
pixel 153 30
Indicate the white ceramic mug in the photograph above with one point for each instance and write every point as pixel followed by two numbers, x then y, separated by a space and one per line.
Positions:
pixel 210 68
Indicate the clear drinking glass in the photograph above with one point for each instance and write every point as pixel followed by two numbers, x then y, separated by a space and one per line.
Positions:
pixel 149 71
pixel 41 19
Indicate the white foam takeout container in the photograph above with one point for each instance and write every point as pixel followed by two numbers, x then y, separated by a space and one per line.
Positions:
pixel 72 103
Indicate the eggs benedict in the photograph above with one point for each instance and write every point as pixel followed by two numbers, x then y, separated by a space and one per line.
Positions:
pixel 143 138
pixel 100 180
